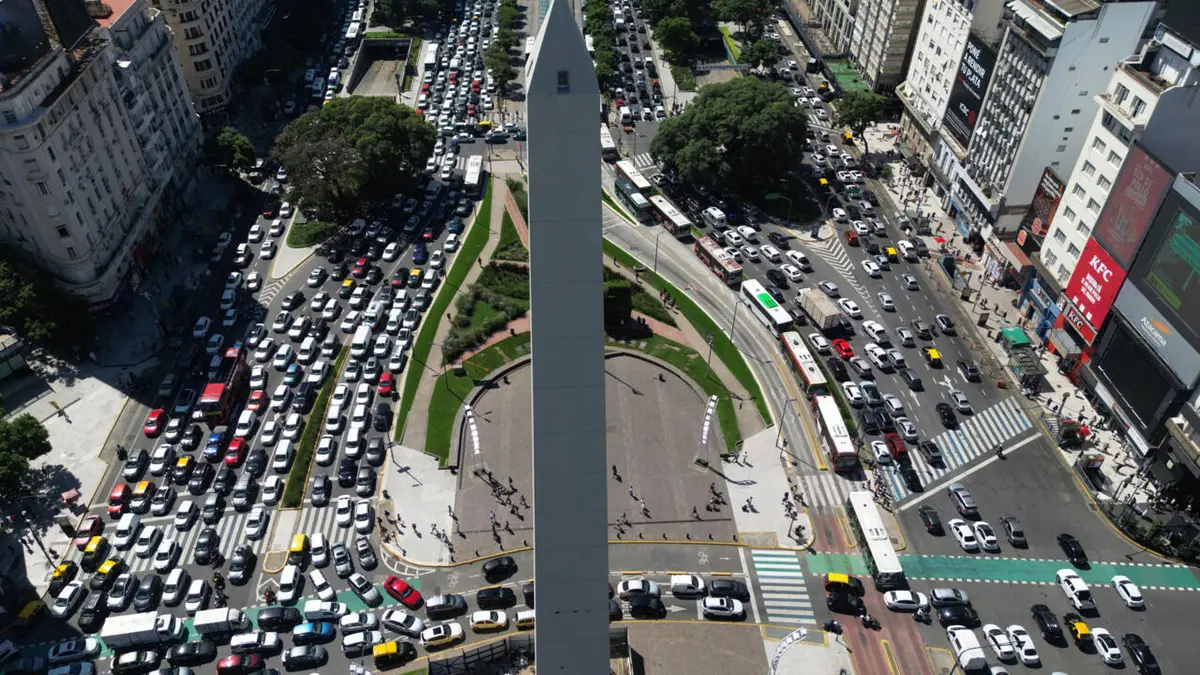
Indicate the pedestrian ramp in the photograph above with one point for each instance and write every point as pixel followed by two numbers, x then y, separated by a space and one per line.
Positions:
pixel 781 584
pixel 643 160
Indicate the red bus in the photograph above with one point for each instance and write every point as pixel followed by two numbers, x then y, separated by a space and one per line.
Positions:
pixel 718 260
pixel 223 395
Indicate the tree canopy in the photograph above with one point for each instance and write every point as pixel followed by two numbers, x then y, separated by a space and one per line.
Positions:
pixel 354 154
pixel 761 53
pixel 230 148
pixel 859 110
pixel 675 34
pixel 746 13
pixel 499 61
pixel 394 13
pixel 743 136
pixel 41 312
pixel 657 10
pixel 21 439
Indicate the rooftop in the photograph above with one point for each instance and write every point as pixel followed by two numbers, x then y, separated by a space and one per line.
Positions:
pixel 107 12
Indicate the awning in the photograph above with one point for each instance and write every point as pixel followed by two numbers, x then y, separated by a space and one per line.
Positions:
pixel 1014 255
pixel 1015 337
pixel 1063 344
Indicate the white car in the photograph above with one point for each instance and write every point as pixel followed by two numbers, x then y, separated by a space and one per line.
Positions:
pixel 819 343
pixel 964 534
pixel 234 280
pixel 272 490
pixel 357 622
pixel 264 351
pixel 203 324
pixel 162 460
pixel 861 228
pixel 908 431
pixel 74 650
pixel 872 269
pixel 283 321
pixel 185 515
pixel 1130 594
pixel 293 426
pixel 894 406
pixel 147 541
pixel 319 300
pixel 436 260
pixel 258 377
pixel 400 621
pixel 364 517
pixel 986 536
pixel 344 508
pixel 392 252
pixel 256 524
pixel 288 591
pixel 451 243
pixel 167 556
pixel 769 252
pixel 905 601
pixel 829 288
pixel 283 357
pixel 326 450
pixel 750 253
pixel 441 634
pixel 853 394
pixel 791 272
pixel 350 321
pixel 881 453
pixel 317 610
pixel 281 398
pixel 1076 590
pixel 270 433
pixel 197 596
pixel 628 588
pixel 331 310
pixel 850 308
pixel 1106 646
pixel 1023 644
pixel 341 395
pixel 268 250
pixel 722 608
pixel 254 281
pixel 960 402
pixel 173 590
pixel 321 586
pixel 68 599
pixel 999 641
pixel 839 214
pixel 886 303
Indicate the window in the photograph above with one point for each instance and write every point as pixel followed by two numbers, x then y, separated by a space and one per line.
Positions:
pixel 204 65
pixel 63 231
pixel 1093 206
pixel 1050 258
pixel 1104 183
pixel 43 189
pixel 1114 158
pixel 1078 191
pixel 1103 41
pixel 1089 168
pixel 1063 273
pixel 1068 130
pixel 1098 145
pixel 1074 111
pixel 10 117
pixel 1069 212
pixel 1137 107
pixel 1082 228
pixel 1061 148
pixel 1059 235
pixel 1083 92
pixel 71 253
pixel 22 142
pixel 1073 251
pixel 1120 94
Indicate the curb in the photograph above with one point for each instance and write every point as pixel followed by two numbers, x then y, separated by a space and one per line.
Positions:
pixel 392 552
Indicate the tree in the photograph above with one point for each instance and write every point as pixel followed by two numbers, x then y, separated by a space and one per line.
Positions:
pixel 744 135
pixel 618 302
pixel 354 154
pixel 761 53
pixel 13 471
pixel 745 13
pixel 507 16
pixel 230 148
pixel 658 10
pixel 40 311
pixel 507 38
pixel 497 59
pixel 24 435
pixel 859 110
pixel 675 34
pixel 605 71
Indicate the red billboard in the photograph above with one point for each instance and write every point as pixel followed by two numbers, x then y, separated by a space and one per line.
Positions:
pixel 1131 205
pixel 1094 285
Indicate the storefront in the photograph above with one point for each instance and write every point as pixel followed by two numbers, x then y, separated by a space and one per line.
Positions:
pixel 1037 304
pixel 1006 264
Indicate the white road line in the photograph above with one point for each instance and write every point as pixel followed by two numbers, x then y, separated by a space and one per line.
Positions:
pixel 931 490
pixel 749 585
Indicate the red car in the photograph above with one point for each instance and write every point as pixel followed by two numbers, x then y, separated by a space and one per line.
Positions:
pixel 270 209
pixel 92 526
pixel 117 500
pixel 154 422
pixel 895 445
pixel 242 663
pixel 407 595
pixel 235 454
pixel 843 348
pixel 257 398
pixel 852 238
pixel 428 235
pixel 360 268
pixel 386 383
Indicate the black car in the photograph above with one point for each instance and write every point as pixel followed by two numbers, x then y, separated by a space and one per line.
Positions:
pixel 202 476
pixel 779 240
pixel 910 378
pixel 207 545
pixel 148 593
pixel 382 417
pixel 844 603
pixel 946 414
pixel 499 568
pixel 280 618
pixel 136 465
pixel 1140 654
pixel 776 277
pixel 304 394
pixel 614 610
pixel 364 482
pixel 933 521
pixel 929 450
pixel 497 597
pixel 376 451
pixel 224 480
pixel 340 271
pixel 347 468
pixel 256 463
pixel 1074 550
pixel 214 508
pixel 838 368
pixel 968 369
pixel 445 606
pixel 958 615
pixel 777 293
pixel 321 490
pixel 912 480
pixel 241 565
pixel 646 607
pixel 192 653
pixel 93 613
pixel 293 300
pixel 728 588
pixel 527 593
pixel 1014 531
pixel 374 275
pixel 1047 622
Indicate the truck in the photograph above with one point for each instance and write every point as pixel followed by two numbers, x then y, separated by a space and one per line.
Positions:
pixel 138 630
pixel 824 314
pixel 220 620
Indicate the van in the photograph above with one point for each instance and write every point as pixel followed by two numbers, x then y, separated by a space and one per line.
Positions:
pixel 687 585
pixel 298 551
pixel 966 648
pixel 525 619
pixel 714 217
pixel 127 530
pixel 361 344
pixel 308 350
pixel 626 115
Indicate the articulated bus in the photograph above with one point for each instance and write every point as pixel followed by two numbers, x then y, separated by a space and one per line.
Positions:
pixel 633 200
pixel 839 446
pixel 608 149
pixel 669 217
pixel 711 253
pixel 473 179
pixel 626 170
pixel 868 528
pixel 804 364
pixel 765 308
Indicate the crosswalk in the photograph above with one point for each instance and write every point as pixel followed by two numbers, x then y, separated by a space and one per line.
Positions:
pixel 230 530
pixel 324 520
pixel 269 291
pixel 825 488
pixel 643 160
pixel 832 252
pixel 975 436
pixel 781 583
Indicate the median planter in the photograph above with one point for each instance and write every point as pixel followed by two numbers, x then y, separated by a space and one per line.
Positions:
pixel 297 480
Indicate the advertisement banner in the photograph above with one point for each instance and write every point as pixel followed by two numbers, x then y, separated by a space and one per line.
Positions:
pixel 1172 347
pixel 1045 202
pixel 1094 285
pixel 1080 324
pixel 1131 205
pixel 1175 265
pixel 966 96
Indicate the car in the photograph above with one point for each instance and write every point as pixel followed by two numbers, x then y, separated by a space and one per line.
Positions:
pixel 197 596
pixel 404 593
pixel 256 524
pixel 147 542
pixel 1022 644
pixel 965 535
pixel 885 302
pixel 364 513
pixel 192 653
pixel 1129 593
pixel 910 282
pixel 819 343
pixel 880 452
pixel 932 520
pixel 441 635
pixel 844 602
pixel 946 415
pixel 629 588
pixel 999 642
pixel 495 597
pixel 135 466
pixel 201 327
pixel 1074 550
pixel 1106 646
pixel 279 618
pixel 843 348
pixel 68 600
pixel 1047 622
pixel 958 615
pixel 135 661
pixel 499 568
pixel 241 565
pixel 305 656
pixel 207 545
pixel 986 536
pixel 849 308
pixel 1014 532
pixel 722 608
pixel 969 370
pixel 963 502
pixel 1076 589
pixel 853 394
pixel 154 422
pixel 907 429
pixel 960 402
pixel 872 269
pixel 829 288
pixel 944 324
pixel 1140 654
pixel 74 650
pixel 905 601
pixel 364 589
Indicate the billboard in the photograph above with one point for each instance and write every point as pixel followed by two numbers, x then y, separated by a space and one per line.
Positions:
pixel 966 96
pixel 1168 343
pixel 1093 287
pixel 1131 204
pixel 1045 202
pixel 1169 268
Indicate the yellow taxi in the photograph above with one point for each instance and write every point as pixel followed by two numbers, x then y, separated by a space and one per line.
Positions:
pixel 932 357
pixel 393 653
pixel 845 583
pixel 488 620
pixel 183 470
pixel 28 615
pixel 1078 629
pixel 106 574
pixel 298 551
pixel 63 575
pixel 94 552
pixel 892 256
pixel 525 619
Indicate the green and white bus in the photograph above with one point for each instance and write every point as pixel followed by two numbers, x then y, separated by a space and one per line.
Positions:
pixel 766 308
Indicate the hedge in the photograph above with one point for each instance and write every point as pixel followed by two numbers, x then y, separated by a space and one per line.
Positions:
pixel 297 480
pixel 303 235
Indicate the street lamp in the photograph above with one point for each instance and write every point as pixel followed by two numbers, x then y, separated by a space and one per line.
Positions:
pixel 781 418
pixel 709 340
pixel 660 233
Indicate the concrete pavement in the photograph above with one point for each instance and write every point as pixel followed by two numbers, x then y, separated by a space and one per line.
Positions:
pixel 757 481
pixel 288 258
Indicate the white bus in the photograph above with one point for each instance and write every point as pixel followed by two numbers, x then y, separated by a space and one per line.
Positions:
pixel 765 308
pixel 473 179
pixel 669 217
pixel 352 33
pixel 357 16
pixel 608 149
pixel 626 170
pixel 804 364
pixel 431 56
pixel 868 528
pixel 839 446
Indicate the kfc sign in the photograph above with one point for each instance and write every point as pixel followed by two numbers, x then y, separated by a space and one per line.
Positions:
pixel 1080 324
pixel 1093 288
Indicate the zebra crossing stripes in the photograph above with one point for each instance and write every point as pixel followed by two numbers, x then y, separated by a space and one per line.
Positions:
pixel 642 160
pixel 833 253
pixel 975 436
pixel 230 530
pixel 781 584
pixel 825 488
pixel 269 291
pixel 324 520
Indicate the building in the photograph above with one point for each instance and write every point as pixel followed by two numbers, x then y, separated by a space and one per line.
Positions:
pixel 934 67
pixel 1031 108
pixel 97 140
pixel 881 40
pixel 836 18
pixel 213 39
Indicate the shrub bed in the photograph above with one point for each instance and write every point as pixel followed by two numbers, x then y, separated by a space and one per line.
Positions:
pixel 510 246
pixel 500 295
pixel 297 480
pixel 303 235
pixel 516 186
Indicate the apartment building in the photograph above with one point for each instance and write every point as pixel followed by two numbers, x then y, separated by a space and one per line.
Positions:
pixel 213 38
pixel 934 66
pixel 836 18
pixel 97 141
pixel 881 40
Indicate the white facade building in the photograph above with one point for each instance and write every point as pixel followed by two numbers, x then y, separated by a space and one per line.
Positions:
pixel 1152 96
pixel 837 19
pixel 95 143
pixel 881 40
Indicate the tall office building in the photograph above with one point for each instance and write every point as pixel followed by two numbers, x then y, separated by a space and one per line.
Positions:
pixel 881 40
pixel 213 38
pixel 97 140
pixel 570 523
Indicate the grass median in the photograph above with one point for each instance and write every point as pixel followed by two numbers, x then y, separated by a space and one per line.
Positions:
pixel 303 235
pixel 297 480
pixel 470 251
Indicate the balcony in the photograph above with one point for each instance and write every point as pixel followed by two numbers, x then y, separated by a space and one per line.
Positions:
pixel 1105 101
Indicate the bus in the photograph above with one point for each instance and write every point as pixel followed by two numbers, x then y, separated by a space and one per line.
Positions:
pixel 608 149
pixel 765 308
pixel 873 537
pixel 431 56
pixel 626 170
pixel 633 200
pixel 352 32
pixel 222 396
pixel 530 43
pixel 722 264
pixel 804 364
pixel 473 179
pixel 669 217
pixel 839 446
pixel 357 16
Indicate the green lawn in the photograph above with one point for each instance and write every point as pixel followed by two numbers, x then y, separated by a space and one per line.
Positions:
pixel 730 44
pixel 297 480
pixel 510 246
pixel 303 235
pixel 454 386
pixel 468 253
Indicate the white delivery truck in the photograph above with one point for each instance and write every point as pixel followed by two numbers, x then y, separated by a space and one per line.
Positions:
pixel 138 630
pixel 220 620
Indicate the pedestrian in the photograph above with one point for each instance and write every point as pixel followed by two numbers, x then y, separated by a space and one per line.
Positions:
pixel 614 471
pixel 712 487
pixel 524 504
pixel 695 513
pixel 631 495
pixel 493 517
pixel 450 510
pixel 750 502
pixel 786 497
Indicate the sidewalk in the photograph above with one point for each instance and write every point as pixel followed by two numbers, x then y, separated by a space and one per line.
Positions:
pixel 761 477
pixel 289 258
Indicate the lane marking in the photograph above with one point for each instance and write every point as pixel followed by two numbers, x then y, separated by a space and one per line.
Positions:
pixel 932 490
